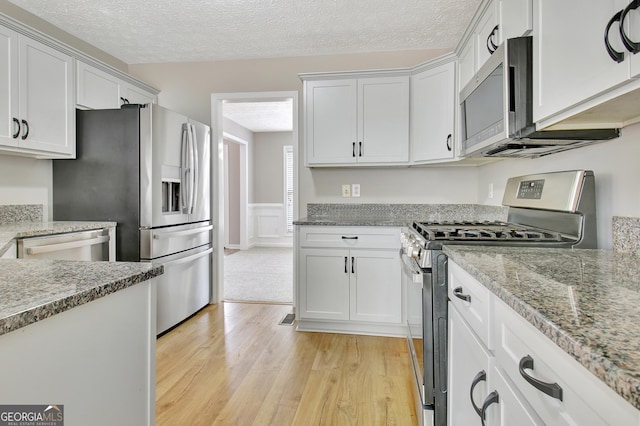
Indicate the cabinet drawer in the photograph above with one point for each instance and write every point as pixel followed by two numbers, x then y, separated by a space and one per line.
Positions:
pixel 585 399
pixel 350 237
pixel 473 302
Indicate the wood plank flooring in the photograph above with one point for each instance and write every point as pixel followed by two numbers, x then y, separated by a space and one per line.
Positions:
pixel 232 364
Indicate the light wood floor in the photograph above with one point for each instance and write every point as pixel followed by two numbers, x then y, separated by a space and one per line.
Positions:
pixel 232 364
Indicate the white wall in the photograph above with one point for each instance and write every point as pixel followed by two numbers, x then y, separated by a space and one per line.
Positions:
pixel 615 165
pixel 187 87
pixel 268 166
pixel 26 181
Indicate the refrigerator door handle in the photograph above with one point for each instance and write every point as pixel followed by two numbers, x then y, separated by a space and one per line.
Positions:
pixel 193 196
pixel 166 235
pixel 190 258
pixel 185 169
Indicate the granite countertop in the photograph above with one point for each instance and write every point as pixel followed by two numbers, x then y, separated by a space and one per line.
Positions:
pixel 12 231
pixel 33 290
pixel 347 221
pixel 586 301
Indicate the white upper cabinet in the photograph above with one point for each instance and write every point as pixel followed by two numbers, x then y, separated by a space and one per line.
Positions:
pixel 37 111
pixel 8 88
pixel 433 98
pixel 571 63
pixel 357 121
pixel 100 90
pixel 135 95
pixel 494 22
pixel 331 108
pixel 383 120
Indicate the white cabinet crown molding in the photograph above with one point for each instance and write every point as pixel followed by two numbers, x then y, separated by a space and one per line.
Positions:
pixel 45 39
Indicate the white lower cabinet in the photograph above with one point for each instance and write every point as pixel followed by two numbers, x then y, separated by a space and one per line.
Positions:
pixel 349 279
pixel 470 364
pixel 529 380
pixel 360 285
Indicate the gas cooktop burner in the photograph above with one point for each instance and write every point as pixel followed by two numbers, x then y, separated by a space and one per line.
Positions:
pixel 482 231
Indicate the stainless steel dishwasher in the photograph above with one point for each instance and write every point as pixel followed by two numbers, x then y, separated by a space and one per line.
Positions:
pixel 96 244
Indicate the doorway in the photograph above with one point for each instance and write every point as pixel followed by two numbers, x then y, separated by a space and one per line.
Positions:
pixel 233 215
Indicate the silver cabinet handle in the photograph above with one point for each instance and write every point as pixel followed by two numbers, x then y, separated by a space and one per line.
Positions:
pixel 457 292
pixel 492 398
pixel 167 235
pixel 65 246
pixel 552 389
pixel 480 377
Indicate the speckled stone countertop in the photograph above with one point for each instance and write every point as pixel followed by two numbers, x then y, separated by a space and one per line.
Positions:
pixel 599 329
pixel 32 290
pixel 396 214
pixel 11 231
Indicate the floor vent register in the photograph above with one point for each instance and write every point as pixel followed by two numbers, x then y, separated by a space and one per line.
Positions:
pixel 288 319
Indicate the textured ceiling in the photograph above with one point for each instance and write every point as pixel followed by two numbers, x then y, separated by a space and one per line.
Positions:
pixel 261 116
pixel 150 31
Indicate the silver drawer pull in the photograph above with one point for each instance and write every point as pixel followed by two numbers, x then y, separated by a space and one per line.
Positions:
pixel 552 389
pixel 349 238
pixel 66 246
pixel 457 292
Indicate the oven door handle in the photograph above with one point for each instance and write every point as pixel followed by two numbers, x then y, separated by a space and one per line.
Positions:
pixel 411 268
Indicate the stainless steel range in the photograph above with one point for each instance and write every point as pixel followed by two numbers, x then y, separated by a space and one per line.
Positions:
pixel 545 210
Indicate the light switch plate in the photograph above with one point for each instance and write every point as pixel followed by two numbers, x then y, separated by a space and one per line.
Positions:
pixel 355 190
pixel 346 190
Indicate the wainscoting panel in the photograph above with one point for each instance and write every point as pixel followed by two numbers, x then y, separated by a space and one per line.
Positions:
pixel 266 223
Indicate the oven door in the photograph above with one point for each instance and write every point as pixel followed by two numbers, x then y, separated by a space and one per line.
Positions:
pixel 413 280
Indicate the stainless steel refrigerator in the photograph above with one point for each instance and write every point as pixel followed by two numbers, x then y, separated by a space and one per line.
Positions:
pixel 148 169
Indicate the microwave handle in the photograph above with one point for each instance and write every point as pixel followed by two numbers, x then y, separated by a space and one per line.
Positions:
pixel 614 54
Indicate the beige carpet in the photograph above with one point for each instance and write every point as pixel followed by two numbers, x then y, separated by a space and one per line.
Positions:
pixel 259 275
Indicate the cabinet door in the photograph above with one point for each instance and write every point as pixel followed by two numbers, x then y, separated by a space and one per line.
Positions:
pixel 331 121
pixel 510 409
pixel 466 63
pixel 486 34
pixel 632 30
pixel 432 114
pixel 96 89
pixel 516 18
pixel 46 98
pixel 135 95
pixel 376 291
pixel 570 60
pixel 468 359
pixel 8 87
pixel 383 120
pixel 324 284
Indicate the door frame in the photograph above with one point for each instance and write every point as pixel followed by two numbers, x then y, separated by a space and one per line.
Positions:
pixel 217 199
pixel 243 244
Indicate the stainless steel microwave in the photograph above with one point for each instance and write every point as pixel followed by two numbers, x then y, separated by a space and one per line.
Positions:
pixel 496 110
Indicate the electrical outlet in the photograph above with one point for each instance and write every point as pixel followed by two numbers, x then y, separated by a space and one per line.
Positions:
pixel 355 190
pixel 346 190
pixel 490 193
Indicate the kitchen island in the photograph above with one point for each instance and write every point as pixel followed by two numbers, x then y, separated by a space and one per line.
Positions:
pixel 587 302
pixel 78 334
